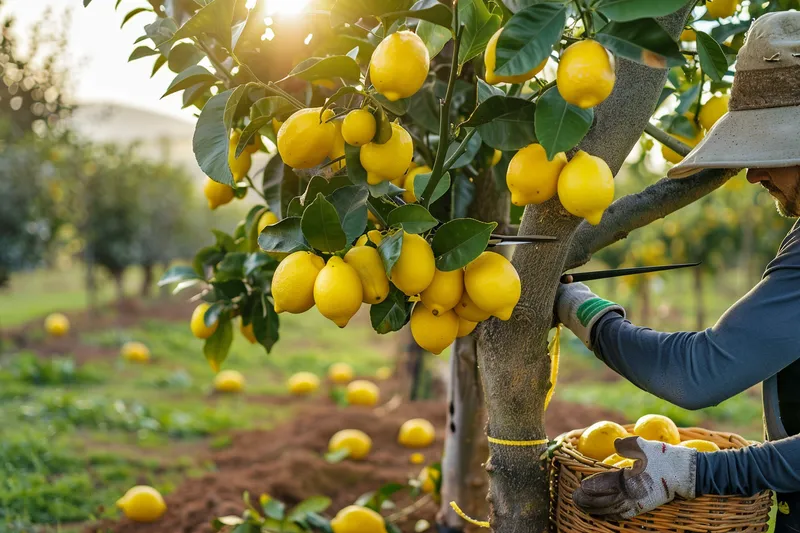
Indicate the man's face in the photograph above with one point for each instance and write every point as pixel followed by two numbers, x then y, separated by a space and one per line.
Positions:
pixel 783 184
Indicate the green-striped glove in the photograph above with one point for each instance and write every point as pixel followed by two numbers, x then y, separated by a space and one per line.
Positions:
pixel 579 309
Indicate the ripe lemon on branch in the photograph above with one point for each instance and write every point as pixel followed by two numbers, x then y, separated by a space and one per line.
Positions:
pixel 368 265
pixel 713 110
pixel 531 178
pixel 305 139
pixel 490 60
pixel 586 187
pixel 293 282
pixel 415 268
pixel 337 291
pixel 408 184
pixel 433 333
pixel 444 292
pixel 358 127
pixel 217 194
pixel 399 65
pixel 467 310
pixel 585 74
pixel 198 322
pixel 493 284
pixel 389 160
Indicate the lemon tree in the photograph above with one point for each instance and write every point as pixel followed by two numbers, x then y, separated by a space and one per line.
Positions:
pixel 401 126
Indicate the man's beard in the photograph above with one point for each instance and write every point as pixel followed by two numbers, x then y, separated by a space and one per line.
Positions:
pixel 787 205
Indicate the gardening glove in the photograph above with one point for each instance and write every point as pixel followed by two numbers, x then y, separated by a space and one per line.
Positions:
pixel 579 309
pixel 660 473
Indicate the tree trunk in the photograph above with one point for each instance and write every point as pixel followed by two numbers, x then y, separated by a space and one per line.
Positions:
pixel 701 306
pixel 91 285
pixel 513 355
pixel 117 275
pixel 147 283
pixel 416 364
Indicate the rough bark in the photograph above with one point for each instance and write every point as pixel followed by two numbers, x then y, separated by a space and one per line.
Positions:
pixel 513 355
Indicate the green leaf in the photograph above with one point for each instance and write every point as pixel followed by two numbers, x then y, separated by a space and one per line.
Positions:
pixel 270 106
pixel 142 51
pixel 626 10
pixel 473 145
pixel 374 500
pixel 384 188
pixel 434 36
pixel 560 126
pixel 161 32
pixel 210 142
pixel 528 38
pixel 712 59
pixel 723 31
pixel 177 274
pixel 205 257
pixel 193 94
pixel 427 10
pixel 183 56
pixel 356 172
pixel 314 504
pixel 249 131
pixel 421 181
pixel 382 206
pixel 215 18
pixel 504 122
pixel 316 68
pixel 132 13
pixel 389 250
pixel 351 205
pixel 231 267
pixel 284 237
pixel 383 127
pixel 157 64
pixel 486 91
pixel 321 226
pixel 460 241
pixel 217 345
pixel 281 185
pixel 643 41
pixel 255 261
pixel 227 290
pixel 398 107
pixel 413 218
pixel 391 314
pixel 236 105
pixel 266 323
pixel 275 509
pixel 189 77
pixel 351 10
pixel 338 456
pixel 479 26
pixel 423 108
pixel 340 92
pixel 318 184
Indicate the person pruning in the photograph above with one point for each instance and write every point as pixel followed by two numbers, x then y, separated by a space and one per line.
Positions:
pixel 756 340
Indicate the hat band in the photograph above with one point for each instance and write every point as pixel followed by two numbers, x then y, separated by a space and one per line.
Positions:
pixel 764 88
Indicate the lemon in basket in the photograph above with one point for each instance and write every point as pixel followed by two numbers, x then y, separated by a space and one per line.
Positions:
pixel 612 459
pixel 658 428
pixel 700 445
pixel 625 463
pixel 597 441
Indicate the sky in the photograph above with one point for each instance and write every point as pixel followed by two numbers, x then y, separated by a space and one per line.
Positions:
pixel 98 53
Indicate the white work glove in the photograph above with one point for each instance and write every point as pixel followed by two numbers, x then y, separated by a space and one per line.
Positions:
pixel 660 473
pixel 579 309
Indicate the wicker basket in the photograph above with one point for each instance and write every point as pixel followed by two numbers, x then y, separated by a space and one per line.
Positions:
pixel 701 515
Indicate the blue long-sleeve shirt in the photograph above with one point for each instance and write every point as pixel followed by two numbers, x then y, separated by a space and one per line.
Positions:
pixel 755 339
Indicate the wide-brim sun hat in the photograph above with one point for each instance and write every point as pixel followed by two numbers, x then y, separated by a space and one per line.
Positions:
pixel 762 126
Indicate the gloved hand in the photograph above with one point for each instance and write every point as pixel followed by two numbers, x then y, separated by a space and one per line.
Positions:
pixel 661 472
pixel 579 309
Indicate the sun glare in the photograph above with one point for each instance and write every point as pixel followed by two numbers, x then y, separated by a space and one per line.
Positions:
pixel 285 7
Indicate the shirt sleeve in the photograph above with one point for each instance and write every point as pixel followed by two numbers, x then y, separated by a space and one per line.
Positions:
pixel 747 471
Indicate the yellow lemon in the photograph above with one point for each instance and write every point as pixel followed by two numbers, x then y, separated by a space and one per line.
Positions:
pixel 585 74
pixel 700 445
pixel 362 392
pixel 688 35
pixel 496 157
pixel 337 291
pixel 375 179
pixel 720 9
pixel 56 325
pixel 625 463
pixel 303 140
pixel 217 194
pixel 408 183
pixel 337 150
pixel 142 504
pixel 340 373
pixel 302 383
pixel 374 236
pixel 428 477
pixel 383 373
pixel 490 60
pixel 357 519
pixel 433 333
pixel 416 458
pixel 674 157
pixel 465 327
pixel 368 265
pixel 531 178
pixel 229 381
pixel 354 440
pixel 613 459
pixel 586 187
pixel 267 219
pixel 658 428
pixel 493 284
pixel 597 441
pixel 415 268
pixel 467 310
pixel 239 166
pixel 713 110
pixel 247 332
pixel 255 144
pixel 358 127
pixel 293 282
pixel 444 292
pixel 399 65
pixel 276 126
pixel 388 160
pixel 416 433
pixel 136 352
pixel 198 323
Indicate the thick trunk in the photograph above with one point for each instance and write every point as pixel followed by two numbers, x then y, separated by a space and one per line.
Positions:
pixel 147 283
pixel 416 367
pixel 701 306
pixel 513 355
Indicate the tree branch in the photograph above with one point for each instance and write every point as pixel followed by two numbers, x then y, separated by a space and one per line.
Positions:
pixel 634 211
pixel 667 140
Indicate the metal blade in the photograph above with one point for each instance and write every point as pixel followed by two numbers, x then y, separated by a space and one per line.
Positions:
pixel 617 272
pixel 509 240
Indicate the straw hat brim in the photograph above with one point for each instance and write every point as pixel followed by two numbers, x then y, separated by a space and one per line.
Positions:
pixel 751 138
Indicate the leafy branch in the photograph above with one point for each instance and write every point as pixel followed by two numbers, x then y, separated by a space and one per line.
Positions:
pixel 667 140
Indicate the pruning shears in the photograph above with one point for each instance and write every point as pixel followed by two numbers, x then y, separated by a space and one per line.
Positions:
pixel 617 272
pixel 495 239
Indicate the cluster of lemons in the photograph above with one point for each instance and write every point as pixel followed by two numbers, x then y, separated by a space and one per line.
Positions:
pixel 597 441
pixel 219 194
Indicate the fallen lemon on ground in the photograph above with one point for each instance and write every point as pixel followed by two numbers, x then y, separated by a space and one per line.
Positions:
pixel 293 282
pixel 531 178
pixel 302 383
pixel 433 333
pixel 136 352
pixel 444 292
pixel 700 445
pixel 142 504
pixel 416 433
pixel 304 141
pixel 217 194
pixel 493 284
pixel 399 65
pixel 389 160
pixel 383 373
pixel 428 478
pixel 415 268
pixel 229 381
pixel 357 519
pixel 337 291
pixel 358 127
pixel 198 322
pixel 56 325
pixel 658 428
pixel 490 60
pixel 368 265
pixel 356 441
pixel 340 373
pixel 416 458
pixel 586 187
pixel 362 392
pixel 585 74
pixel 597 441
